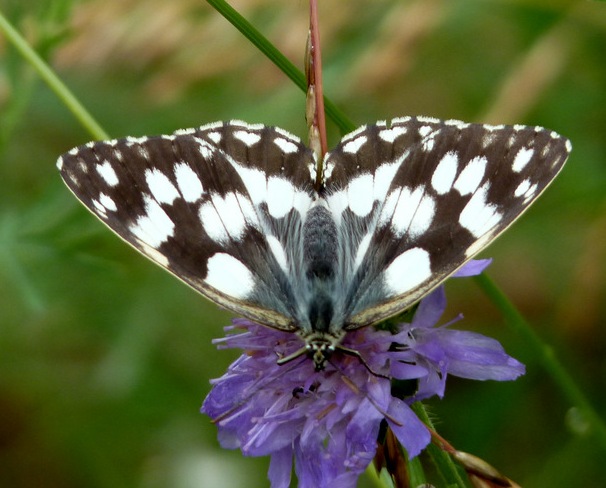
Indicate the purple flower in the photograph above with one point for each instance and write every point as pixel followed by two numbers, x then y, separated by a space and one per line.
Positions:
pixel 440 351
pixel 328 421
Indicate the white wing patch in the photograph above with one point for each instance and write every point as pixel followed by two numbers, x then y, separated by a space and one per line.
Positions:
pixel 226 217
pixel 429 137
pixel 360 195
pixel 337 203
pixel 205 149
pixel 522 188
pixel 522 159
pixel 479 216
pixel 100 209
pixel 107 202
pixel 278 251
pixel 248 138
pixel 254 180
pixel 364 190
pixel 188 182
pixel 229 275
pixel 155 227
pixel 445 173
pixel 280 196
pixel 390 135
pixel 153 254
pixel 470 178
pixel 212 223
pixel 362 249
pixel 354 145
pixel 285 145
pixel 214 136
pixel 412 213
pixel 384 176
pixel 107 173
pixel 408 270
pixel 530 193
pixel 160 186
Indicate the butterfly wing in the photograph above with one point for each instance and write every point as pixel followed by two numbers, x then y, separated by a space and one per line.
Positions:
pixel 417 199
pixel 221 207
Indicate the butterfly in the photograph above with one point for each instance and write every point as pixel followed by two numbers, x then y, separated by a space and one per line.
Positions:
pixel 248 217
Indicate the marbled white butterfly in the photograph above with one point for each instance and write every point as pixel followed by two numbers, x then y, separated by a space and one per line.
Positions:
pixel 236 211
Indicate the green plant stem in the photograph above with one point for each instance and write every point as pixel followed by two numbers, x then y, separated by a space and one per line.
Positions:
pixel 416 473
pixel 52 80
pixel 379 480
pixel 547 356
pixel 276 57
pixel 441 459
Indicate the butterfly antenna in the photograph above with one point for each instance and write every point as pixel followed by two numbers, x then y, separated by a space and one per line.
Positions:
pixel 287 359
pixel 359 357
pixel 352 386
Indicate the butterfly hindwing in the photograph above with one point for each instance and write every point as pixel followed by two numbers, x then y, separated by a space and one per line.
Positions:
pixel 225 208
pixel 220 207
pixel 420 197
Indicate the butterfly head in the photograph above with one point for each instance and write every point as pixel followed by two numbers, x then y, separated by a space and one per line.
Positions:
pixel 319 347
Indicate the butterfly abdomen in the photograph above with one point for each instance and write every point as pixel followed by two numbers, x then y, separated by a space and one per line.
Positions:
pixel 320 247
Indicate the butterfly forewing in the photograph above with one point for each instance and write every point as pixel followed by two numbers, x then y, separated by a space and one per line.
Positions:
pixel 225 208
pixel 221 207
pixel 420 197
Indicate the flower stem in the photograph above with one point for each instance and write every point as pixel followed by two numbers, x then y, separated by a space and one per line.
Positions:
pixel 547 356
pixel 441 459
pixel 51 79
pixel 314 77
pixel 378 480
pixel 289 69
pixel 416 472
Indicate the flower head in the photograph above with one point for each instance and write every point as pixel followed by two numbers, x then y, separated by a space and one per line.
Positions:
pixel 328 421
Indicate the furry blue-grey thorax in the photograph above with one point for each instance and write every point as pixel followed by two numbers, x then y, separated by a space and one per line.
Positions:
pixel 231 209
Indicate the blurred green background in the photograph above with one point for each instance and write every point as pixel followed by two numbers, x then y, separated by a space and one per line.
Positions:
pixel 105 359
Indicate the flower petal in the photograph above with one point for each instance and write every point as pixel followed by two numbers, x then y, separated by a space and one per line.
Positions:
pixel 407 427
pixel 473 268
pixel 280 468
pixel 430 309
pixel 478 357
